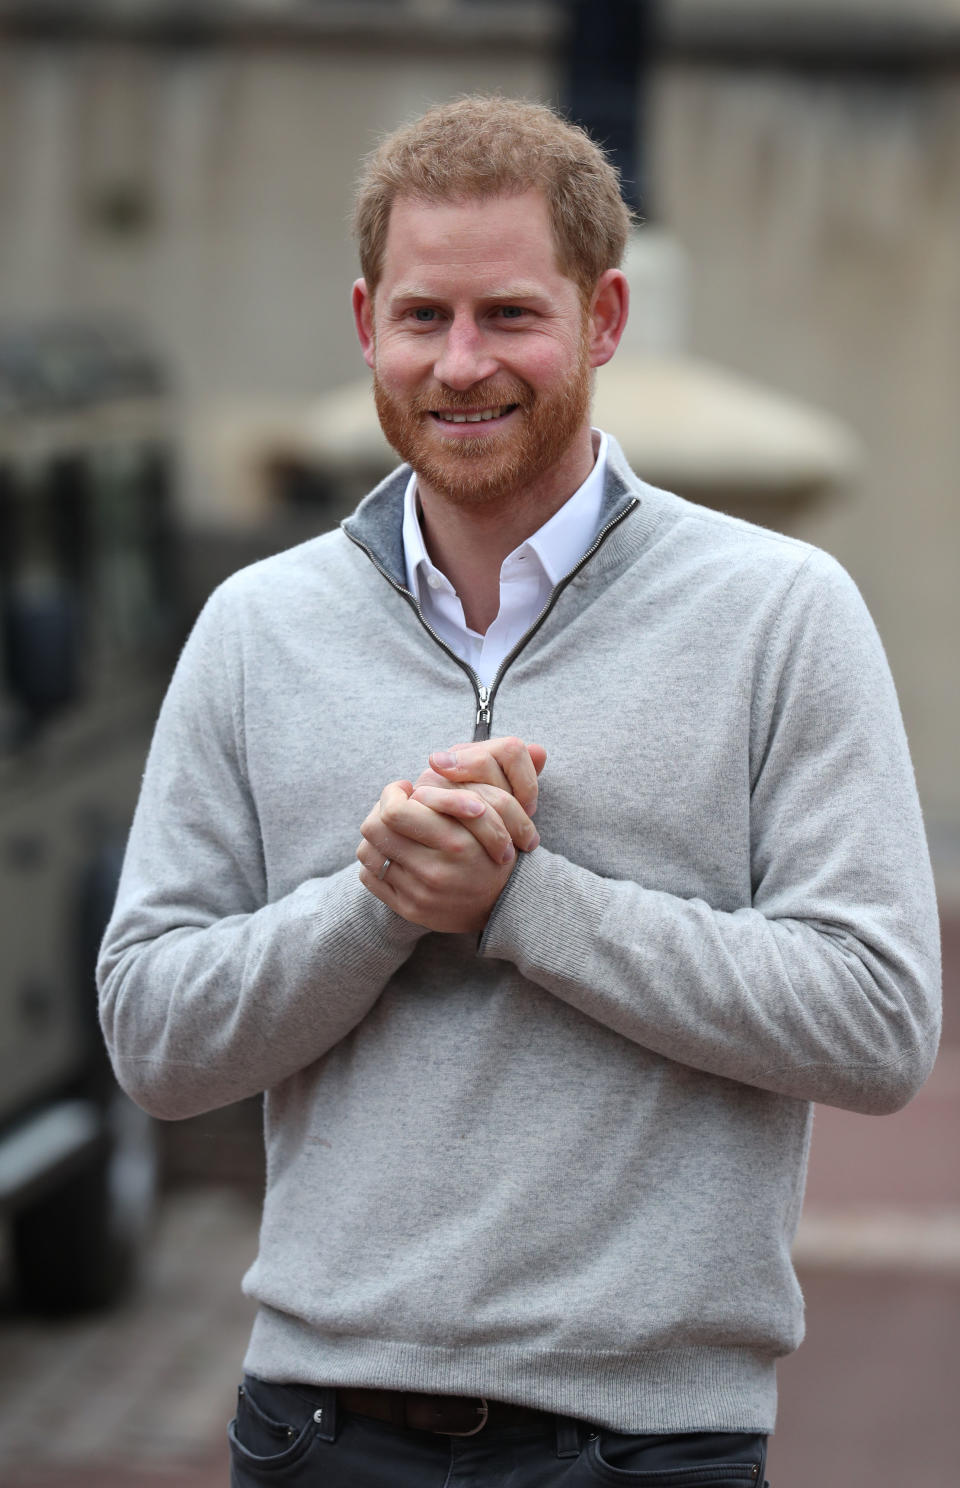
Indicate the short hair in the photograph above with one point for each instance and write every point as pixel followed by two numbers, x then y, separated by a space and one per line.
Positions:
pixel 481 146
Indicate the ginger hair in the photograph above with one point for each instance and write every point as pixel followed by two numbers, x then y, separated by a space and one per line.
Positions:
pixel 479 146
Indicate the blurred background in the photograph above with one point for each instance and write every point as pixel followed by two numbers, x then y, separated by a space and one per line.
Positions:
pixel 180 392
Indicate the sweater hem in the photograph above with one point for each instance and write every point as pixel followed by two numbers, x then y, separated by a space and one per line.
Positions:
pixel 693 1388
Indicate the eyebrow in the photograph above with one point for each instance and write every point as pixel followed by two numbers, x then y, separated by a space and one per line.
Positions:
pixel 518 291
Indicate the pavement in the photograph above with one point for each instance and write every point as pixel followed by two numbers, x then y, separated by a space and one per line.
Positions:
pixel 139 1398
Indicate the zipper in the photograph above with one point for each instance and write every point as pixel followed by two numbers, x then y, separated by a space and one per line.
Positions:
pixel 483 713
pixel 404 593
pixel 485 695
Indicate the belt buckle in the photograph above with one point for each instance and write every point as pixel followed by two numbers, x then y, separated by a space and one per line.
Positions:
pixel 484 1417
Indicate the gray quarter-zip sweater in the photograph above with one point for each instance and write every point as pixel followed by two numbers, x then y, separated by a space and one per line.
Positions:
pixel 563 1166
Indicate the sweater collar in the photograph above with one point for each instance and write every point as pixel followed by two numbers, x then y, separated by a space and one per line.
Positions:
pixel 377 523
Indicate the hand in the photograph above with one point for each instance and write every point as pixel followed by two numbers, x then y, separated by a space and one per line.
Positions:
pixel 507 763
pixel 443 873
pixel 498 771
pixel 432 790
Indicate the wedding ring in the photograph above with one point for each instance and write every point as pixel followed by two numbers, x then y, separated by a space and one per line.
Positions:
pixel 383 871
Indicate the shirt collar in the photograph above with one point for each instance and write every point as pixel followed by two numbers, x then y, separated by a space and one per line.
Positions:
pixel 562 541
pixel 559 544
pixel 415 552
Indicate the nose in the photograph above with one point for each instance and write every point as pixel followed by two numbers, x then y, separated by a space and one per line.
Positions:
pixel 464 357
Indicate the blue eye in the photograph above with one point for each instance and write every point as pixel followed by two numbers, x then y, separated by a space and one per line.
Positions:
pixel 424 313
pixel 511 312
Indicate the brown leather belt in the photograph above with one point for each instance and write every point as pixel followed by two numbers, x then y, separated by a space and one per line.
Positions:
pixel 448 1415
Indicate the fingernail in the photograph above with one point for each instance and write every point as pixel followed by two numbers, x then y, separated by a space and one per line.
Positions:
pixel 472 807
pixel 443 759
pixel 508 854
pixel 534 841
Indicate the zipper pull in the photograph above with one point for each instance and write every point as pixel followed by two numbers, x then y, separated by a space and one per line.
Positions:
pixel 483 711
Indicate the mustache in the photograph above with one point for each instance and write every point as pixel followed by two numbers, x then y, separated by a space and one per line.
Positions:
pixel 496 395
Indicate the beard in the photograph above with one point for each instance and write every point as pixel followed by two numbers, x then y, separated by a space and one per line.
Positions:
pixel 486 468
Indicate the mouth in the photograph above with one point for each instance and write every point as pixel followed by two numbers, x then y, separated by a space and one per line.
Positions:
pixel 460 416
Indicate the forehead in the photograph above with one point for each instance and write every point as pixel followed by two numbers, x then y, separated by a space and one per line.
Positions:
pixel 499 237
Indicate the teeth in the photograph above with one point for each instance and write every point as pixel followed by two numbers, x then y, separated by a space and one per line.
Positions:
pixel 473 418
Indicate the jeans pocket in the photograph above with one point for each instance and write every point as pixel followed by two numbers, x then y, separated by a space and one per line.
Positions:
pixel 268 1438
pixel 611 1460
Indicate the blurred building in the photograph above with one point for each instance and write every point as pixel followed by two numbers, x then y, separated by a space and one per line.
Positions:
pixel 191 165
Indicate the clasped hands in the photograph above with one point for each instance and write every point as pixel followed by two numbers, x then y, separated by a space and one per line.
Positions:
pixel 451 838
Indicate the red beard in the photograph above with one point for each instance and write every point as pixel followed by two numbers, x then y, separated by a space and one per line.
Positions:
pixel 486 467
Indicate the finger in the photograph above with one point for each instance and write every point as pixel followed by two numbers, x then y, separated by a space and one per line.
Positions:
pixel 374 861
pixel 482 761
pixel 399 825
pixel 517 823
pixel 396 791
pixel 523 831
pixel 482 820
pixel 472 766
pixel 430 777
pixel 451 800
pixel 373 828
pixel 384 889
pixel 507 763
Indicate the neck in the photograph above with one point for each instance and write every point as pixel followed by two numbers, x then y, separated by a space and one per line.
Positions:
pixel 468 543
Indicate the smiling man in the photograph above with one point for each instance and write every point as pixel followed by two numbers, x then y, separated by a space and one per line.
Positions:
pixel 537 1102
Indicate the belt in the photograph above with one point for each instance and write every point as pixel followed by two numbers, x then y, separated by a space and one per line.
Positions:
pixel 448 1415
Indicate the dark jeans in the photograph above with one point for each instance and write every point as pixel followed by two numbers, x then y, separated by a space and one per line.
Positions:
pixel 295 1435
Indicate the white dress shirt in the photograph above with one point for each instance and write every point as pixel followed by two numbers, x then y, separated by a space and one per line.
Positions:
pixel 528 575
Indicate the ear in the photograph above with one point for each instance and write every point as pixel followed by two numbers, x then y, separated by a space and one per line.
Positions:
pixel 363 319
pixel 607 316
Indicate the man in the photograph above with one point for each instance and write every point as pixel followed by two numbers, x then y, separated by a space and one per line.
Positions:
pixel 536 1115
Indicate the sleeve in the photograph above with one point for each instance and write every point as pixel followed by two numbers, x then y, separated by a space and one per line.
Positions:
pixel 208 993
pixel 826 986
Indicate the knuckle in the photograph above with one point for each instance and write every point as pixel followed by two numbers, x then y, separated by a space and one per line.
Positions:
pixel 390 813
pixel 456 849
pixel 432 877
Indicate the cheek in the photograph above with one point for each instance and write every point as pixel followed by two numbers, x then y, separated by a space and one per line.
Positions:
pixel 399 366
pixel 550 365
